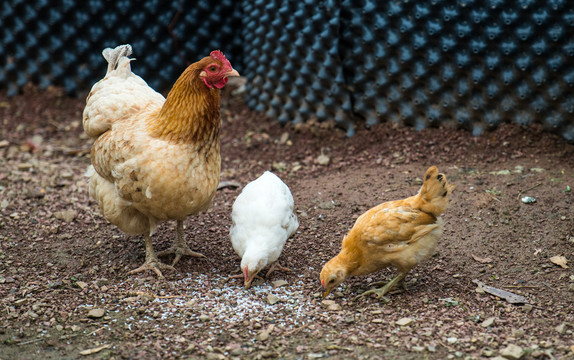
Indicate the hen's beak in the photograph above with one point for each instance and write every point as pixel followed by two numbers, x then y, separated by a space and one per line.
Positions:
pixel 326 293
pixel 233 72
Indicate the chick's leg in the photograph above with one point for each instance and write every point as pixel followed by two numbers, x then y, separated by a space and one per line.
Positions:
pixel 402 284
pixel 151 260
pixel 388 287
pixel 179 248
pixel 276 266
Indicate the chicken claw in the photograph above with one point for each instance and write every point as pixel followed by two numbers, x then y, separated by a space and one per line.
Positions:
pixel 180 248
pixel 276 266
pixel 381 292
pixel 155 266
pixel 151 261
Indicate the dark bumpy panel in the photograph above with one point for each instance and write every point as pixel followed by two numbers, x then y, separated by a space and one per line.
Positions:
pixel 292 61
pixel 471 64
pixel 59 42
pixel 466 63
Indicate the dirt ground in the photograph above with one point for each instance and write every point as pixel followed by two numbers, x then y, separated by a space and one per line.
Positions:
pixel 65 289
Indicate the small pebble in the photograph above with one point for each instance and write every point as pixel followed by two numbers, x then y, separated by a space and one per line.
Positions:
pixel 279 283
pixel 272 299
pixel 404 321
pixel 488 322
pixel 323 160
pixel 528 200
pixel 512 351
pixel 96 313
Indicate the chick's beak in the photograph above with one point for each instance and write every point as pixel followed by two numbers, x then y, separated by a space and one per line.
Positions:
pixel 232 72
pixel 247 279
pixel 327 291
pixel 248 283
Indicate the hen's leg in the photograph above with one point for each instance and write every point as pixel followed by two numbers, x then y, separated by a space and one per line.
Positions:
pixel 180 248
pixel 385 289
pixel 276 266
pixel 151 260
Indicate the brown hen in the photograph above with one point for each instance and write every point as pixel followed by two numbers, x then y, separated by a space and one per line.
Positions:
pixel 155 159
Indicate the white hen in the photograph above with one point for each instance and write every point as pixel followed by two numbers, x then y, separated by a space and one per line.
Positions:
pixel 263 220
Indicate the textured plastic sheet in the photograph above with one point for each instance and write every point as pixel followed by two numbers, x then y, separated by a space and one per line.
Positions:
pixel 472 64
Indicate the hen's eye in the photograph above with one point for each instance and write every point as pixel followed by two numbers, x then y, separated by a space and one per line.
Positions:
pixel 331 281
pixel 212 68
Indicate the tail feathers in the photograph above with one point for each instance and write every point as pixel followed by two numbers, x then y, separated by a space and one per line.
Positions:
pixel 435 192
pixel 113 56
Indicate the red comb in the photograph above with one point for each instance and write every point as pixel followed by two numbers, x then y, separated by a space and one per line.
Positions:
pixel 218 55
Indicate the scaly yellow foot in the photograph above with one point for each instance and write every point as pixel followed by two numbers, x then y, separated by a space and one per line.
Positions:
pixel 381 292
pixel 276 266
pixel 180 248
pixel 151 261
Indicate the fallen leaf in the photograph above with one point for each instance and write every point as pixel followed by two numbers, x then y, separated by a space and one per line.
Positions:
pixel 510 297
pixel 481 260
pixel 560 261
pixel 95 350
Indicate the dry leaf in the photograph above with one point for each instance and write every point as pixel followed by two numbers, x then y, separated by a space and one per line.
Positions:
pixel 510 297
pixel 95 350
pixel 481 260
pixel 560 261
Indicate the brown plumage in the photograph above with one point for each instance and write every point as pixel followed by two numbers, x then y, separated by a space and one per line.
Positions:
pixel 155 159
pixel 400 234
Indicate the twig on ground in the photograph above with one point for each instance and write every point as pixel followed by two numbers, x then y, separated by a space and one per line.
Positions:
pixel 78 334
pixel 132 293
pixel 294 331
pixel 530 188
pixel 60 338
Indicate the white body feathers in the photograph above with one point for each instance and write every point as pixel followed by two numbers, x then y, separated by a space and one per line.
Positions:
pixel 263 220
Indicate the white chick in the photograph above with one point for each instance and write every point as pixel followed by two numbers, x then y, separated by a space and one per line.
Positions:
pixel 263 220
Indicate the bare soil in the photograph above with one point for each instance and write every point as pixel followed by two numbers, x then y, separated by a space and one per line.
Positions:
pixel 60 260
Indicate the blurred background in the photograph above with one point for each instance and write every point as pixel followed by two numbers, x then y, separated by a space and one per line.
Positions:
pixel 469 64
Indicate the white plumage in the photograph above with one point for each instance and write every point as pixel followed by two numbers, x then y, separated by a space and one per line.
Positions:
pixel 263 220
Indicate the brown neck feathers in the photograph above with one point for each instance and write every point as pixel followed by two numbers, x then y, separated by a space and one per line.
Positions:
pixel 190 113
